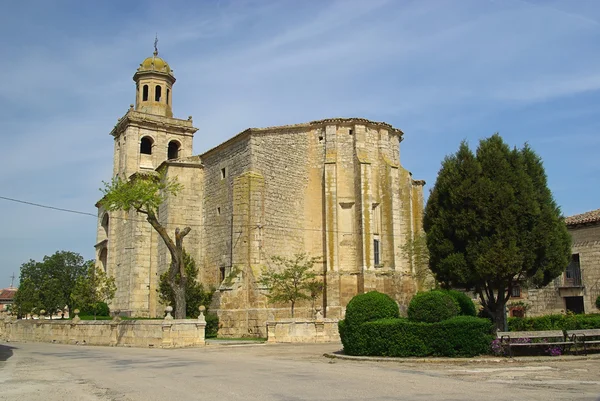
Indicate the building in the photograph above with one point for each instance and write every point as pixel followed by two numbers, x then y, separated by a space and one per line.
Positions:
pixel 332 188
pixel 7 297
pixel 577 289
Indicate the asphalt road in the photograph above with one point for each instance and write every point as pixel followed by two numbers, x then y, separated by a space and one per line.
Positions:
pixel 36 371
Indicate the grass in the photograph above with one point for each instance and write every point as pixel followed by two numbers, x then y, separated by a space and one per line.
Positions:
pixel 240 338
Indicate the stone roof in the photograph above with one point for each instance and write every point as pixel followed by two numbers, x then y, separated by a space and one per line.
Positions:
pixel 311 124
pixel 584 218
pixel 8 294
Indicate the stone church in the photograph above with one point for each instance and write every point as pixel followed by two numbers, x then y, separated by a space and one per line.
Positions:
pixel 331 188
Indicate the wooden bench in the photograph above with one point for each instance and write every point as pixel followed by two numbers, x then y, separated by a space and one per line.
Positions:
pixel 545 338
pixel 584 337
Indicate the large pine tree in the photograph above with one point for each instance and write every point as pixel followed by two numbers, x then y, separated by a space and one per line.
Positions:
pixel 491 222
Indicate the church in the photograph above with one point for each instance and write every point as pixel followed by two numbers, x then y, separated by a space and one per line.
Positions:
pixel 332 188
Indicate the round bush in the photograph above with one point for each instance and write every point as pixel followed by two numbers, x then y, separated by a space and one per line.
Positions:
pixel 466 305
pixel 432 307
pixel 370 306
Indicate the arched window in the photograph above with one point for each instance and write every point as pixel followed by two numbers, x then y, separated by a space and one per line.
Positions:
pixel 146 145
pixel 157 93
pixel 103 258
pixel 168 95
pixel 105 223
pixel 173 151
pixel 145 93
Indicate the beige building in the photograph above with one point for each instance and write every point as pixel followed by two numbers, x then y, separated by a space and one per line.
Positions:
pixel 332 188
pixel 578 287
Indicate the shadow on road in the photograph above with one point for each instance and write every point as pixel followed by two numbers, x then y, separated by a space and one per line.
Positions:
pixel 5 352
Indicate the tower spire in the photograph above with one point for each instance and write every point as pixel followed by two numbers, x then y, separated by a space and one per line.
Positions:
pixel 156 45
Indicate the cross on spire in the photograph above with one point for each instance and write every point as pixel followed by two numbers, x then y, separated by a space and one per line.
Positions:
pixel 12 280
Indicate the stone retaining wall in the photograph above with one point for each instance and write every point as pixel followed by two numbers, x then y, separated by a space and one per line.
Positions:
pixel 303 331
pixel 127 333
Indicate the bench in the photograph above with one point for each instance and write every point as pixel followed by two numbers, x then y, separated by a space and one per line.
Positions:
pixel 545 338
pixel 584 337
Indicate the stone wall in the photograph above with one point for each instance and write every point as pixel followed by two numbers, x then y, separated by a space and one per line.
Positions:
pixel 328 189
pixel 127 333
pixel 303 331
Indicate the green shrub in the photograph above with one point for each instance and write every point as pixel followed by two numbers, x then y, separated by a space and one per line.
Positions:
pixel 432 306
pixel 554 322
pixel 598 302
pixel 100 309
pixel 372 305
pixel 462 336
pixel 212 325
pixel 465 303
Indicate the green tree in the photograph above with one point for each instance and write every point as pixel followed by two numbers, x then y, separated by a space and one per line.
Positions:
pixel 491 222
pixel 195 294
pixel 93 288
pixel 48 284
pixel 144 193
pixel 291 280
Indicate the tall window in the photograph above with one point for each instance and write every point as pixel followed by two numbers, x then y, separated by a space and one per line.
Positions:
pixel 145 93
pixel 573 273
pixel 376 218
pixel 157 93
pixel 376 259
pixel 168 95
pixel 173 151
pixel 105 223
pixel 146 145
pixel 103 259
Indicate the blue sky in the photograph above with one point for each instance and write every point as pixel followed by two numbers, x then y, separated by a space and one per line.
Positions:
pixel 442 71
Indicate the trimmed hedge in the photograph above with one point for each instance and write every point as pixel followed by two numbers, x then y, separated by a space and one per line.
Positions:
pixel 462 336
pixel 465 303
pixel 432 306
pixel 372 305
pixel 554 322
pixel 212 325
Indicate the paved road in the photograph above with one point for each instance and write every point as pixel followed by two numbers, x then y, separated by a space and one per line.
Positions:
pixel 35 371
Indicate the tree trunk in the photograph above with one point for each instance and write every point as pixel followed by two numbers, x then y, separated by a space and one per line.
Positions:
pixel 500 319
pixel 495 305
pixel 293 309
pixel 180 301
pixel 177 277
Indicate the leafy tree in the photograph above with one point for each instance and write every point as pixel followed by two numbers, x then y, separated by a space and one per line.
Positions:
pixel 144 193
pixel 415 250
pixel 49 284
pixel 491 222
pixel 195 294
pixel 93 288
pixel 291 280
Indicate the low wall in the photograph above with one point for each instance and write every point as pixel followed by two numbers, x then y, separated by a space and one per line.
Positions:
pixel 116 332
pixel 303 331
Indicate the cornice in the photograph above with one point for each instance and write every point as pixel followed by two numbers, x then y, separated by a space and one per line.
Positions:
pixel 145 120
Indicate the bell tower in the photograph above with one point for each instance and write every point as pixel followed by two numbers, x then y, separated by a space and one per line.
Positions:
pixel 148 134
pixel 145 138
pixel 154 81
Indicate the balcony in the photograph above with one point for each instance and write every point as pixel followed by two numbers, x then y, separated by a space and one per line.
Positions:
pixel 570 283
